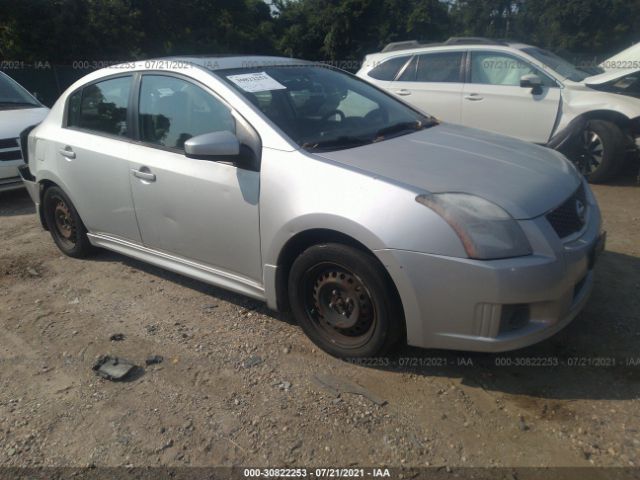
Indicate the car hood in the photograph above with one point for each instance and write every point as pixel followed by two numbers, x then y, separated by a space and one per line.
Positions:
pixel 525 179
pixel 14 121
pixel 626 57
pixel 609 76
pixel 622 82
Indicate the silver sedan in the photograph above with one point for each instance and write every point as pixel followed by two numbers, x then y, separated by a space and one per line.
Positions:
pixel 307 188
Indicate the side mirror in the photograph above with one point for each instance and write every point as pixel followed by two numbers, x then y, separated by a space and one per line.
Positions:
pixel 213 146
pixel 534 82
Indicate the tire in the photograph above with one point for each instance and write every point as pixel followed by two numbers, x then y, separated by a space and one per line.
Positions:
pixel 601 151
pixel 64 224
pixel 343 300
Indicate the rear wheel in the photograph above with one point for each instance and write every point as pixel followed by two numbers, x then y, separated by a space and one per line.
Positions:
pixel 65 224
pixel 342 299
pixel 601 151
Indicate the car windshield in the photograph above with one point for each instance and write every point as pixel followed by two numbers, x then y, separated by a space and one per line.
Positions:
pixel 323 109
pixel 559 65
pixel 13 95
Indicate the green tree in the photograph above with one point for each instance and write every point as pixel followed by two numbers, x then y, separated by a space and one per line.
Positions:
pixel 61 31
pixel 66 30
pixel 580 26
pixel 348 29
pixel 486 18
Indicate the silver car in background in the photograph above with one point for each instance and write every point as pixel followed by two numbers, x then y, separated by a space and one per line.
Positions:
pixel 314 191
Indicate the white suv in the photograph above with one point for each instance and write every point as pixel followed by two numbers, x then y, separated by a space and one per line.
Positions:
pixel 521 91
pixel 19 110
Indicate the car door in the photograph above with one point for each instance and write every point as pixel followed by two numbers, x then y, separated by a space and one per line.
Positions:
pixel 433 82
pixel 92 152
pixel 199 210
pixel 494 100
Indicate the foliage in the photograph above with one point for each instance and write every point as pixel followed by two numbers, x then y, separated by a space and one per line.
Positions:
pixel 348 29
pixel 64 31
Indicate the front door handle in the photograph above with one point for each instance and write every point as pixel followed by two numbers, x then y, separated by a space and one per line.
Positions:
pixel 474 97
pixel 144 174
pixel 403 92
pixel 67 153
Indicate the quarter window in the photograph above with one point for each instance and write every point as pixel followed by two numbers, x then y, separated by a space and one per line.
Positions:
pixel 174 110
pixel 75 100
pixel 388 69
pixel 494 68
pixel 101 107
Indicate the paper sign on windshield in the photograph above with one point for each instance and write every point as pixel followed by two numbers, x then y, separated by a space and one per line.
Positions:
pixel 256 82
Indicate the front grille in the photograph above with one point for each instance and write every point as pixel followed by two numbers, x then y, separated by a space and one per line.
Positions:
pixel 10 150
pixel 8 143
pixel 10 181
pixel 570 217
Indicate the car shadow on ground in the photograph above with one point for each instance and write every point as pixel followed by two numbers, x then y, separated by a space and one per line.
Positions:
pixel 629 175
pixel 16 202
pixel 187 282
pixel 595 357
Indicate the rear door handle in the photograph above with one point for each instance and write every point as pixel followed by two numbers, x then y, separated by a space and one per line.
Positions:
pixel 67 153
pixel 144 175
pixel 403 92
pixel 474 97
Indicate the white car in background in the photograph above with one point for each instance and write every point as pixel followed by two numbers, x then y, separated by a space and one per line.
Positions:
pixel 19 110
pixel 521 91
pixel 627 59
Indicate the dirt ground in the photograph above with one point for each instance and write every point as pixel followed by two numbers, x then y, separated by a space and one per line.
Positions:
pixel 240 385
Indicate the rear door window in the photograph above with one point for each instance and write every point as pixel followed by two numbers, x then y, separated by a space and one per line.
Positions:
pixel 101 107
pixel 443 67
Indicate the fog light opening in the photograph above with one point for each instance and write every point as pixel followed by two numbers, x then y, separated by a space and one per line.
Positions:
pixel 514 317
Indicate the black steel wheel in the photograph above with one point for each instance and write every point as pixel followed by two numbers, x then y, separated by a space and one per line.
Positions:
pixel 64 223
pixel 342 299
pixel 339 304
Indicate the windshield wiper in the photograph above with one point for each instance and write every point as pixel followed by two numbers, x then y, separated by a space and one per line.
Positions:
pixel 337 143
pixel 403 127
pixel 348 141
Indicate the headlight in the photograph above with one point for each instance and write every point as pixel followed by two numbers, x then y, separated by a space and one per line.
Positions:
pixel 486 230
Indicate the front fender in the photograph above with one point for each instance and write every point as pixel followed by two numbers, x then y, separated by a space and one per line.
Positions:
pixel 588 103
pixel 320 221
pixel 301 193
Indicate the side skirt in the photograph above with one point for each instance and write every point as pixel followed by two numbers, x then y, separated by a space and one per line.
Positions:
pixel 189 268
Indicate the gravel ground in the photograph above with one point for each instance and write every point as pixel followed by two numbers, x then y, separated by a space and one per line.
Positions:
pixel 241 385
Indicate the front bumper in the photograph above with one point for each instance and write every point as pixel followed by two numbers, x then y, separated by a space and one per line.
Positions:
pixel 12 183
pixel 9 176
pixel 465 304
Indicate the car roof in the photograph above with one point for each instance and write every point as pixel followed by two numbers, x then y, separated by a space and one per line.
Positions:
pixel 209 63
pixel 453 43
pixel 223 62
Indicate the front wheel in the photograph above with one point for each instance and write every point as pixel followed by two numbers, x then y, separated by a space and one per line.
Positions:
pixel 601 151
pixel 342 299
